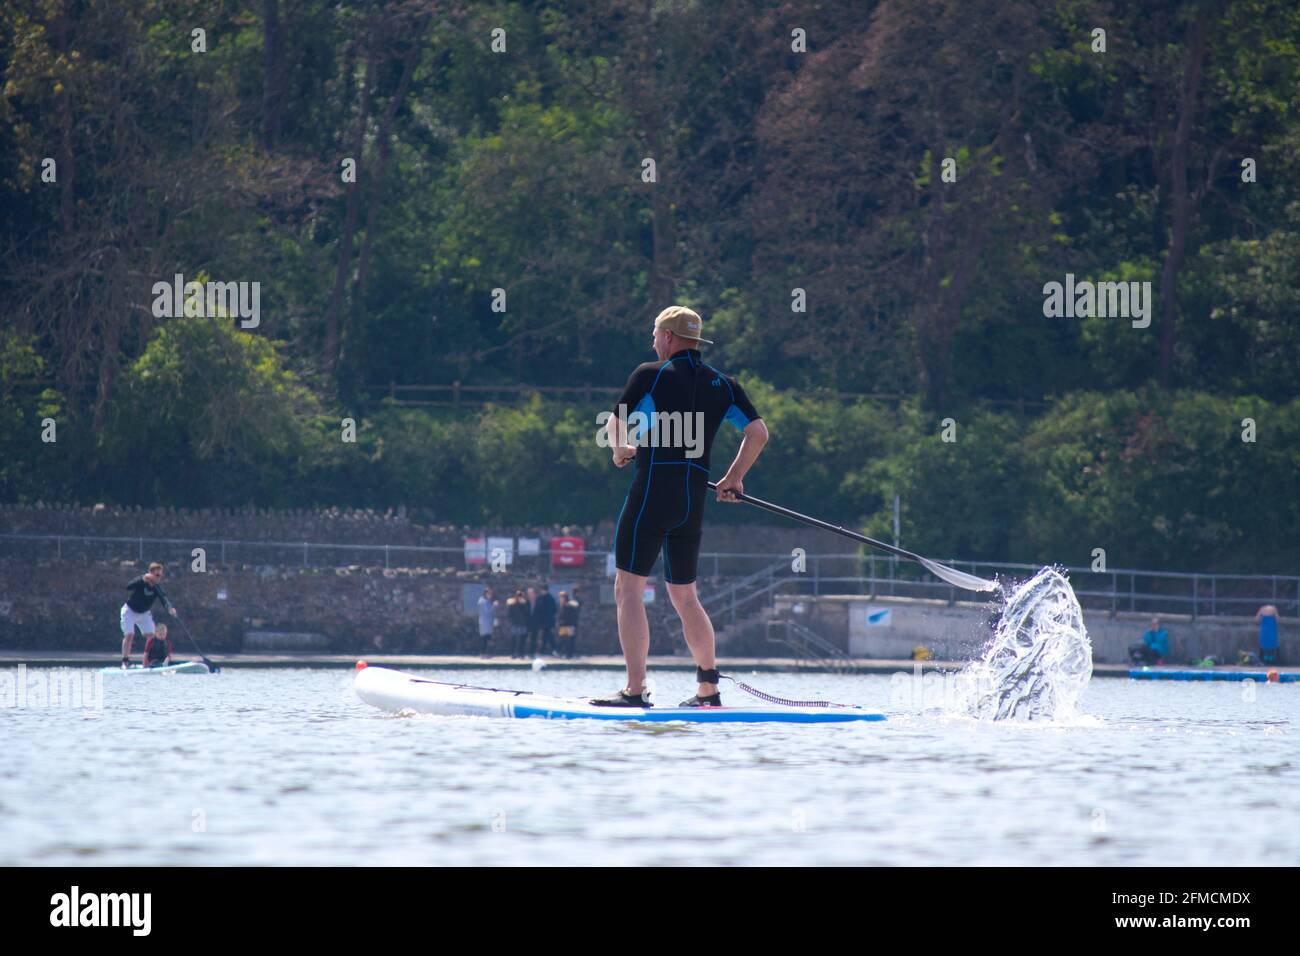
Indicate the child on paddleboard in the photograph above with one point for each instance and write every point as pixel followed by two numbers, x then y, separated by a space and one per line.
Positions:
pixel 158 648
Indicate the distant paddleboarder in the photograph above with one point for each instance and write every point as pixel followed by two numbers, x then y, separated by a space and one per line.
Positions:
pixel 137 611
pixel 675 407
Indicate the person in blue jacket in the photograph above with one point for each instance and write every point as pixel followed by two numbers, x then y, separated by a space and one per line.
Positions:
pixel 1267 618
pixel 1154 647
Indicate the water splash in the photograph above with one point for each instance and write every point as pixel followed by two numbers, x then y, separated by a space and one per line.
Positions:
pixel 1039 660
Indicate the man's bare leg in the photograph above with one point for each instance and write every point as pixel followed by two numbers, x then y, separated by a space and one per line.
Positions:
pixel 147 638
pixel 127 641
pixel 633 627
pixel 697 628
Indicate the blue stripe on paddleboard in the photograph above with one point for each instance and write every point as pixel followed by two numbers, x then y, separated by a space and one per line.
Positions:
pixel 701 715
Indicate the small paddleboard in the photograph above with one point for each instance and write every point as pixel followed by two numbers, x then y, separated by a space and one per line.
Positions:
pixel 135 670
pixel 1210 674
pixel 397 692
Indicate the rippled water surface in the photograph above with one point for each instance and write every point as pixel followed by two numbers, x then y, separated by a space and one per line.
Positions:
pixel 289 767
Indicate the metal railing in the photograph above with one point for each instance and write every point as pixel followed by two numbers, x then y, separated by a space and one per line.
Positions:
pixel 459 393
pixel 1117 590
pixel 732 581
pixel 808 645
pixel 739 594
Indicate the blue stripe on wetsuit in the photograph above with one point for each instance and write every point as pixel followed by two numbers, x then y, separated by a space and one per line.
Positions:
pixel 647 408
pixel 734 414
pixel 649 402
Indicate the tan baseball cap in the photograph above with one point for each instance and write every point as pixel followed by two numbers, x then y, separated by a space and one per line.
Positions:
pixel 682 321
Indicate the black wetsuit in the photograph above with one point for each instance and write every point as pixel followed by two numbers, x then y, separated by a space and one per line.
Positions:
pixel 664 508
pixel 142 594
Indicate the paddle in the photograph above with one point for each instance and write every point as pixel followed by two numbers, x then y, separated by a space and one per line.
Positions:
pixel 958 578
pixel 212 668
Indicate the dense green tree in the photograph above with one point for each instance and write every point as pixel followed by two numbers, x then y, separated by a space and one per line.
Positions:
pixel 31 468
pixel 208 413
pixel 502 146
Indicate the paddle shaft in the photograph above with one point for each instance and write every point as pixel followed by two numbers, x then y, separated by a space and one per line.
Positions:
pixel 824 525
pixel 211 666
pixel 954 577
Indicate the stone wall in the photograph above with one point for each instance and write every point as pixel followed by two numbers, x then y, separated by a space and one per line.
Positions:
pixel 53 605
pixel 334 526
pixel 65 595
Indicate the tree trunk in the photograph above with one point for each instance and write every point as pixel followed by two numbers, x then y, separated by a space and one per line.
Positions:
pixel 931 362
pixel 663 267
pixel 353 210
pixel 354 332
pixel 273 69
pixel 67 155
pixel 1180 198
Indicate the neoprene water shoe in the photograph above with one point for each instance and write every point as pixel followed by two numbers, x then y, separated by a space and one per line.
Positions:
pixel 623 699
pixel 713 700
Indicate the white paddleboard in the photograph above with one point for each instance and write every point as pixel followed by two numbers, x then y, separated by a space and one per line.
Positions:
pixel 397 692
pixel 135 670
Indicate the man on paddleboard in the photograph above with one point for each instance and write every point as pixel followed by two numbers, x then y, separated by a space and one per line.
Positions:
pixel 666 420
pixel 137 611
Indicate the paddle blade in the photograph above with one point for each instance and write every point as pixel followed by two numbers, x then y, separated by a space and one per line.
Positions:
pixel 958 578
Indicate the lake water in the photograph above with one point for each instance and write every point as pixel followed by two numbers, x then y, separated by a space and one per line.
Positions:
pixel 287 766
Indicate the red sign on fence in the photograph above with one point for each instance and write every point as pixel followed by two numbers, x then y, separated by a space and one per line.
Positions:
pixel 568 552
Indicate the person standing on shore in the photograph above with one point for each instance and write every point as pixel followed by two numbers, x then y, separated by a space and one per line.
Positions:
pixel 568 623
pixel 575 602
pixel 1268 640
pixel 517 618
pixel 487 618
pixel 532 622
pixel 138 609
pixel 544 611
pixel 664 508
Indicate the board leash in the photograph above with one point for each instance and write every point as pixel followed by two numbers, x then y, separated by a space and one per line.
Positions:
pixel 785 702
